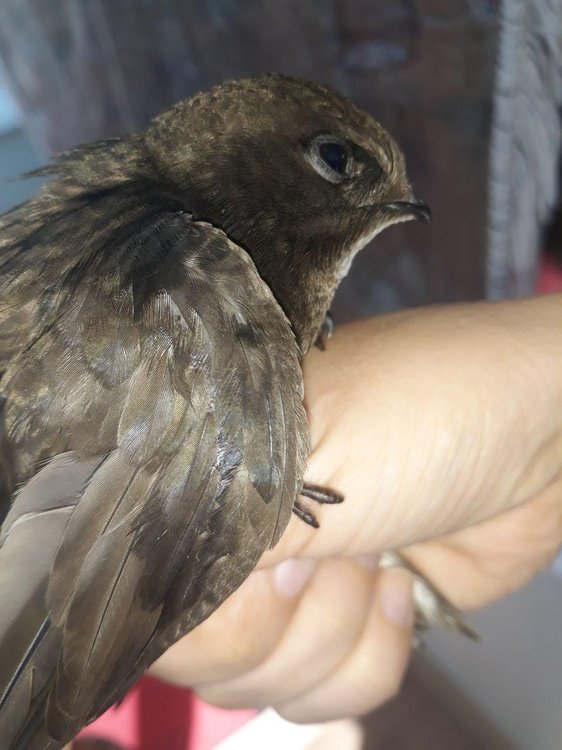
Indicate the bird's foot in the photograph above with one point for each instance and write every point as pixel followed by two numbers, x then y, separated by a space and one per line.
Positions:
pixel 326 332
pixel 430 606
pixel 320 495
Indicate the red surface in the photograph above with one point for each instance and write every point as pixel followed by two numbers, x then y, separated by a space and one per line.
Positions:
pixel 550 277
pixel 156 716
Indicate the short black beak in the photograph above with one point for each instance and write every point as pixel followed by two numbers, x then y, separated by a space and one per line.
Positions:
pixel 415 208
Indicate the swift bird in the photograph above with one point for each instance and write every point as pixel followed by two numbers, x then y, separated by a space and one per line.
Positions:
pixel 156 299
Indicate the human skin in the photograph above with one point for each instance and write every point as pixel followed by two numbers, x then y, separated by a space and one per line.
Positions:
pixel 443 429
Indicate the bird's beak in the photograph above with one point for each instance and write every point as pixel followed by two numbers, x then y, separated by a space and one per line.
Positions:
pixel 415 209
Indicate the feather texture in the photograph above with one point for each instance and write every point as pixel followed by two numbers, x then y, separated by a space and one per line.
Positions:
pixel 5 465
pixel 168 381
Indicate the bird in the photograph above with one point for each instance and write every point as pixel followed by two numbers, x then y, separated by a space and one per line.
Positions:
pixel 156 300
pixel 5 461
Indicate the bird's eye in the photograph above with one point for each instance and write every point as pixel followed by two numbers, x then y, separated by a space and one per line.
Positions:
pixel 331 157
pixel 335 156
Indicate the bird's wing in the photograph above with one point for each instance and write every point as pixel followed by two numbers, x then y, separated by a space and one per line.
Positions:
pixel 178 401
pixel 5 464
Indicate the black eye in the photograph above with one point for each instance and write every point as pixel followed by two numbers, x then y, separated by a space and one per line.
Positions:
pixel 335 156
pixel 331 156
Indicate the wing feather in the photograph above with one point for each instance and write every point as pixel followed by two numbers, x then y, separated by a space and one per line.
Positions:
pixel 182 442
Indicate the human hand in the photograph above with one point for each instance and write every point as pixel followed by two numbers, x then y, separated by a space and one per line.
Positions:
pixel 443 428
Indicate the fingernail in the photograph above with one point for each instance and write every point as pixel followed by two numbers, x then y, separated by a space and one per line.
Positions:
pixel 396 597
pixel 292 575
pixel 369 561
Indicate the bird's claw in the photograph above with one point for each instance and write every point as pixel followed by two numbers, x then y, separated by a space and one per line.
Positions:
pixel 326 332
pixel 320 495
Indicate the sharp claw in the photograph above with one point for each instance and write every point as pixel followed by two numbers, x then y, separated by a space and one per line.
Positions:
pixel 305 515
pixel 321 495
pixel 325 333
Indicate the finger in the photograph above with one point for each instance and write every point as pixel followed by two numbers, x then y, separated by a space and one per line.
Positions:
pixel 323 631
pixel 241 634
pixel 373 671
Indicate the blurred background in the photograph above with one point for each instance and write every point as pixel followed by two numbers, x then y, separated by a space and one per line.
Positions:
pixel 471 89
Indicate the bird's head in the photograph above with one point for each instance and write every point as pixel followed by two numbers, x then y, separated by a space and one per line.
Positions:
pixel 291 171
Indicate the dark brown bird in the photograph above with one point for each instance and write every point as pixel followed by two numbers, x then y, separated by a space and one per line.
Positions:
pixel 156 299
pixel 5 461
